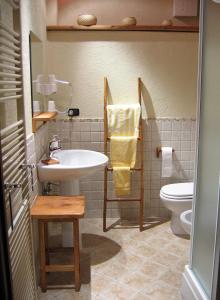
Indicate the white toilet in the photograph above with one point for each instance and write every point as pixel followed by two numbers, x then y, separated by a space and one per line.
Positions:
pixel 177 197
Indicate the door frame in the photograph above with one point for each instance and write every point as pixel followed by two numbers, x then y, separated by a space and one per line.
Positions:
pixel 216 263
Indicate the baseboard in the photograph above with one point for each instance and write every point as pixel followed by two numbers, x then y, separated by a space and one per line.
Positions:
pixel 191 288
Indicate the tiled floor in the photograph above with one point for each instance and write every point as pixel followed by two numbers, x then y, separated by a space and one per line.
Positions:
pixel 126 264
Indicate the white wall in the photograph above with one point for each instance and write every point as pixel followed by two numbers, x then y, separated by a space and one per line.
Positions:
pixel 112 12
pixel 166 62
pixel 33 19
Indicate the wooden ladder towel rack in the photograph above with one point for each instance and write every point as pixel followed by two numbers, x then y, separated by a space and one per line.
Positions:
pixel 108 169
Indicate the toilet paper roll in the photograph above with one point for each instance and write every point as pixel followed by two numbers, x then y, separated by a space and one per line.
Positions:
pixel 167 161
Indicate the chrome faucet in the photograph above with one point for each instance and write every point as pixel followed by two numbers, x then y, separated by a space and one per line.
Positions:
pixel 54 144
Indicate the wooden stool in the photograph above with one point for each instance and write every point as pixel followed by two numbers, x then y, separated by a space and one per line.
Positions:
pixel 58 209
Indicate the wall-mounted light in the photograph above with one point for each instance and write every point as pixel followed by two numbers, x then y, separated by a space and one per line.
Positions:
pixel 50 88
pixel 52 80
pixel 45 89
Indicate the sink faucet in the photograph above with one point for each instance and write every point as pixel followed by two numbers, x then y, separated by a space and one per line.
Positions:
pixel 54 144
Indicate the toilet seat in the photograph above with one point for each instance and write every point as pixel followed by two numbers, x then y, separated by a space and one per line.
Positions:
pixel 175 198
pixel 177 191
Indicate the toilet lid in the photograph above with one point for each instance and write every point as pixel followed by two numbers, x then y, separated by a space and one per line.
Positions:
pixel 178 190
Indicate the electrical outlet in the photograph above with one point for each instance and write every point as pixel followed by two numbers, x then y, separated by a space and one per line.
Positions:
pixel 73 112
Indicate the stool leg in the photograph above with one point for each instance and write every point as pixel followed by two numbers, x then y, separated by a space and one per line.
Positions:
pixel 76 254
pixel 42 255
pixel 46 243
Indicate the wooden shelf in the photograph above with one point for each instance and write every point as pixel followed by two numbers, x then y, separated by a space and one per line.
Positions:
pixel 191 28
pixel 43 117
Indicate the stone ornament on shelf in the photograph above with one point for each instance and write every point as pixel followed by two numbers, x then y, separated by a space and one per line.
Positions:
pixel 87 20
pixel 129 21
pixel 167 23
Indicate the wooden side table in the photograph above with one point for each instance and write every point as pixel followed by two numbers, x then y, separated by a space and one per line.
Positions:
pixel 58 209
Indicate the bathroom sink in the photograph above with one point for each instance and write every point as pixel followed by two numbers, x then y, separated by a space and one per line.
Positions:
pixel 186 220
pixel 73 165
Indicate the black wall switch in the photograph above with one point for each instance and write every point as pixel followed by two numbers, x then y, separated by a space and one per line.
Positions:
pixel 73 112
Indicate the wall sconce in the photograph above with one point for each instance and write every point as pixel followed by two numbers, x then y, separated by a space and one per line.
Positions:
pixel 50 88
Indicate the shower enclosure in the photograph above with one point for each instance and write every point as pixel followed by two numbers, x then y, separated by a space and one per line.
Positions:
pixel 202 275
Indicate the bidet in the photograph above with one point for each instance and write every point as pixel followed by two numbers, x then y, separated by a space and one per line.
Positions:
pixel 186 220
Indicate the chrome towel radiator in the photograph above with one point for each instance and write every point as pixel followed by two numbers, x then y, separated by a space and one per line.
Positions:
pixel 18 183
pixel 17 175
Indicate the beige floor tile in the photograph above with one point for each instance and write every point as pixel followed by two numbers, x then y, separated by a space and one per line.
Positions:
pixel 180 265
pixel 121 257
pixel 115 271
pixel 168 237
pixel 177 249
pixel 143 236
pixel 141 296
pixel 136 280
pixel 100 283
pixel 158 229
pixel 160 291
pixel 157 242
pixel 63 295
pixel 145 251
pixel 119 291
pixel 171 278
pixel 140 236
pixel 97 297
pixel 127 264
pixel 122 254
pixel 152 270
pixel 133 262
pixel 128 244
pixel 166 259
pixel 177 296
pixel 100 268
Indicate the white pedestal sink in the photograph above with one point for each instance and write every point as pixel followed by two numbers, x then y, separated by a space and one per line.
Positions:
pixel 73 165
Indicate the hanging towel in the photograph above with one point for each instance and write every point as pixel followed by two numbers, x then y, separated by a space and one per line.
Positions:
pixel 123 120
pixel 122 179
pixel 123 157
pixel 123 123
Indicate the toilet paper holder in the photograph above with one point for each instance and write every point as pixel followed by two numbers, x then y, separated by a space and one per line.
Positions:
pixel 158 150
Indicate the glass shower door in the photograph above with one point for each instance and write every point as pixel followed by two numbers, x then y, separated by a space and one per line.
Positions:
pixel 207 185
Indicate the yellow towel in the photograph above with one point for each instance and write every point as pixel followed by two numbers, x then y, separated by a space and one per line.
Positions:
pixel 122 179
pixel 123 120
pixel 123 157
pixel 123 123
